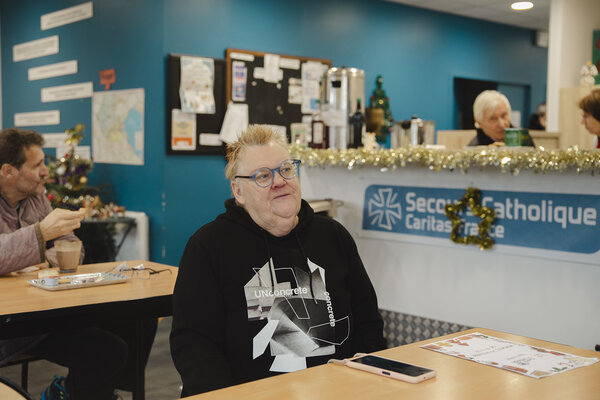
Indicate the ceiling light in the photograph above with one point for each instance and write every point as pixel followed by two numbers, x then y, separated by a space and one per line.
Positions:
pixel 522 5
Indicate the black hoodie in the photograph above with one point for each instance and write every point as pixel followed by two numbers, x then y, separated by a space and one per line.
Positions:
pixel 245 306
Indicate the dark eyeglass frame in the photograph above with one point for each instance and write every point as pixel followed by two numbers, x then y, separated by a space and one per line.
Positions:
pixel 272 171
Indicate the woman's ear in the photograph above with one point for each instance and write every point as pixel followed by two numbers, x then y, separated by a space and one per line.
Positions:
pixel 236 190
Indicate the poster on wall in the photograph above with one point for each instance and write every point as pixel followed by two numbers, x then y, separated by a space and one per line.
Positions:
pixel 196 86
pixel 118 127
pixel 183 130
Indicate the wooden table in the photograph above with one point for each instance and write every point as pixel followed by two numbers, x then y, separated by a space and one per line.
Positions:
pixel 9 393
pixel 27 310
pixel 456 379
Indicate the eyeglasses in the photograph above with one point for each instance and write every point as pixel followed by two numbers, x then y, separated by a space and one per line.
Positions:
pixel 263 177
pixel 139 271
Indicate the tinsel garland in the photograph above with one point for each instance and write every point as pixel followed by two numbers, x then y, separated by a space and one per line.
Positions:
pixel 507 159
pixel 472 199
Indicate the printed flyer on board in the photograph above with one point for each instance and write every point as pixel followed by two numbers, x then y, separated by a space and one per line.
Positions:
pixel 524 359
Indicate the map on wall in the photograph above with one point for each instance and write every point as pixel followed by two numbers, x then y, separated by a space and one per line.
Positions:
pixel 118 127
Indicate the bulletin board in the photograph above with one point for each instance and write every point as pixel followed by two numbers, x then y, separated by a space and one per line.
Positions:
pixel 209 124
pixel 274 103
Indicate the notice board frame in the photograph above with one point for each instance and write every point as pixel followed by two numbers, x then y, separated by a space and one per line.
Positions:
pixel 267 103
pixel 205 123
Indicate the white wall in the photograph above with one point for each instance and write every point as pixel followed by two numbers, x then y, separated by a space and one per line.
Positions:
pixel 572 23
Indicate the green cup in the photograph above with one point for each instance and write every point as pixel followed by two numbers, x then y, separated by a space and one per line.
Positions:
pixel 517 137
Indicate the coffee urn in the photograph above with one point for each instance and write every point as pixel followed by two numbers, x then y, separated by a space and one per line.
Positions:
pixel 343 86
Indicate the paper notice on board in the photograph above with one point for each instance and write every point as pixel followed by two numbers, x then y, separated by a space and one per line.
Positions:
pixel 289 63
pixel 294 91
pixel 312 73
pixel 210 139
pixel 272 71
pixel 196 86
pixel 239 81
pixel 183 130
pixel 235 122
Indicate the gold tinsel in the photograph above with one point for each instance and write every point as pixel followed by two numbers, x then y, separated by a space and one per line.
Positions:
pixel 507 159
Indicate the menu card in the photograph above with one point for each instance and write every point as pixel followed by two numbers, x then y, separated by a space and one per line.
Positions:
pixel 524 359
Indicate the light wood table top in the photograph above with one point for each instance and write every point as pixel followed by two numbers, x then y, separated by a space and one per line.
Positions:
pixel 456 379
pixel 27 310
pixel 8 393
pixel 18 296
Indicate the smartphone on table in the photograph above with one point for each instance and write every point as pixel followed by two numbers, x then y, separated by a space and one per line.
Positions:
pixel 391 368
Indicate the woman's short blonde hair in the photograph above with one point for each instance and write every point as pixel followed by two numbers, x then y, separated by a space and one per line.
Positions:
pixel 486 102
pixel 255 135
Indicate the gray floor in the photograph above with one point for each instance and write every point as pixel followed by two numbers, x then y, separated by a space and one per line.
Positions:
pixel 162 380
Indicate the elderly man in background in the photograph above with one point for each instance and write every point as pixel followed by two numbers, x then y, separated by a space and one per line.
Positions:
pixel 491 111
pixel 268 286
pixel 28 226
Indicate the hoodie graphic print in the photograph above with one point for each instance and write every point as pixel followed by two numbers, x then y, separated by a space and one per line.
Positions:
pixel 300 322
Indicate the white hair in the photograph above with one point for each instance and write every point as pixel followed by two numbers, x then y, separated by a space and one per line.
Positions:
pixel 486 102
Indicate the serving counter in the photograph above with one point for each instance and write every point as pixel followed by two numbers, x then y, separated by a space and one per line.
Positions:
pixel 541 276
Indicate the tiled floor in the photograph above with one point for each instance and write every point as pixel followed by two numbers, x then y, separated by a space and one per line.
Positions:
pixel 162 379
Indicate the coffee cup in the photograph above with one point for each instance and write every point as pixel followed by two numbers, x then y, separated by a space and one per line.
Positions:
pixel 67 253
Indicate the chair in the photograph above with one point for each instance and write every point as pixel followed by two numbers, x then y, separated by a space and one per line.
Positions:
pixel 24 360
pixel 8 387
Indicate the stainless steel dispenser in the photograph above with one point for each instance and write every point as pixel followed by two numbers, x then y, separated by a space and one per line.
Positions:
pixel 343 86
pixel 413 132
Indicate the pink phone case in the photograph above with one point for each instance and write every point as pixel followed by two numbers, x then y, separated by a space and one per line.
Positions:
pixel 391 374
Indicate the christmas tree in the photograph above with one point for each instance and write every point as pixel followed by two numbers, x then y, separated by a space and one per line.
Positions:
pixel 380 100
pixel 66 187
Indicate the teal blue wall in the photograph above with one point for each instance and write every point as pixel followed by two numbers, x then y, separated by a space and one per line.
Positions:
pixel 418 52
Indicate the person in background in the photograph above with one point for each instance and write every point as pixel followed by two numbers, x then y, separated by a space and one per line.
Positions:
pixel 28 226
pixel 97 357
pixel 538 120
pixel 491 111
pixel 268 286
pixel 590 107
